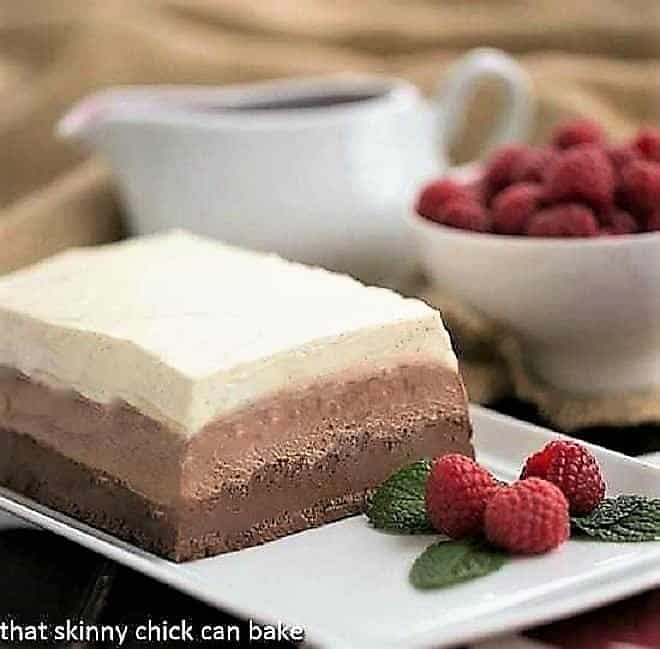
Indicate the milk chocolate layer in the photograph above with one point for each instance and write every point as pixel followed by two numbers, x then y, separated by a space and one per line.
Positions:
pixel 296 460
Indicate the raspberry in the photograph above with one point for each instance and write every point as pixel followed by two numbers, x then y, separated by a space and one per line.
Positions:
pixel 500 169
pixel 576 132
pixel 566 220
pixel 457 491
pixel 465 214
pixel 619 222
pixel 477 189
pixel 647 143
pixel 573 469
pixel 653 222
pixel 514 206
pixel 529 517
pixel 531 166
pixel 583 173
pixel 620 156
pixel 438 193
pixel 641 184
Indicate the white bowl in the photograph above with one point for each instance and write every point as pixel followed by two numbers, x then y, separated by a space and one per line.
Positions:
pixel 586 310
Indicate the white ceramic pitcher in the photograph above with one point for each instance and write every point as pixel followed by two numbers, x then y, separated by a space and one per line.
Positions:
pixel 318 170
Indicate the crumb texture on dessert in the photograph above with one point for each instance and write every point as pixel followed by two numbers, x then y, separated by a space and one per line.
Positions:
pixel 185 329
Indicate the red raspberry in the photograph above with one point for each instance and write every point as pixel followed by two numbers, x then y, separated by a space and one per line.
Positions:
pixel 514 206
pixel 477 189
pixel 465 214
pixel 619 222
pixel 647 143
pixel 566 220
pixel 500 168
pixel 529 517
pixel 641 184
pixel 653 221
pixel 573 469
pixel 576 132
pixel 620 156
pixel 438 193
pixel 583 173
pixel 531 166
pixel 457 491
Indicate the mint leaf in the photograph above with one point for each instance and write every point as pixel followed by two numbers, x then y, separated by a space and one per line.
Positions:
pixel 624 519
pixel 398 504
pixel 451 562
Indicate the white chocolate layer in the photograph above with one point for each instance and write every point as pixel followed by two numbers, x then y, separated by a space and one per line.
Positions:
pixel 186 329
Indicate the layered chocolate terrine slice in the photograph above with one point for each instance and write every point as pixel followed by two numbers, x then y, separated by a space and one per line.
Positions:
pixel 196 398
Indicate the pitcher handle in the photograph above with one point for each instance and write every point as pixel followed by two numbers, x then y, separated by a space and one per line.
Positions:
pixel 454 94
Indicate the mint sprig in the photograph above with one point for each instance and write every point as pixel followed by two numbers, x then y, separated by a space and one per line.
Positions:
pixel 624 519
pixel 452 562
pixel 398 504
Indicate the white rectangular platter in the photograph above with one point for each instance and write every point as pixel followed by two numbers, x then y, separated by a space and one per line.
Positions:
pixel 347 584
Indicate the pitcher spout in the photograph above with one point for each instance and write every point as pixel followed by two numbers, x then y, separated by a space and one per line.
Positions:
pixel 84 119
pixel 93 114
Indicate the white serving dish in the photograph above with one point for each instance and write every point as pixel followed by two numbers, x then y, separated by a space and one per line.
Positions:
pixel 586 311
pixel 347 585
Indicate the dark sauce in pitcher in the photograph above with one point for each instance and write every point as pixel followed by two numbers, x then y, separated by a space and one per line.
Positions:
pixel 295 102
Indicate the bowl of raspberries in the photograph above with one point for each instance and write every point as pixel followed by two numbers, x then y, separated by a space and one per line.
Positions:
pixel 561 244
